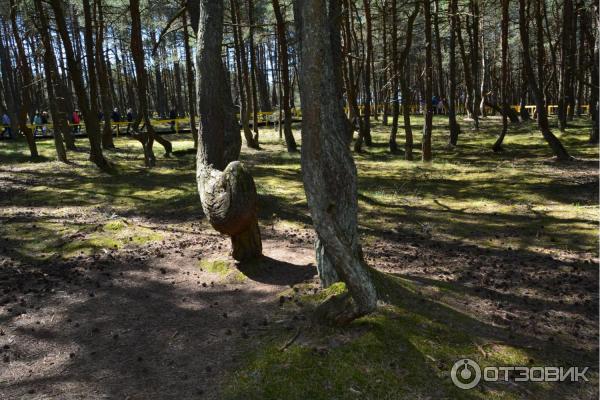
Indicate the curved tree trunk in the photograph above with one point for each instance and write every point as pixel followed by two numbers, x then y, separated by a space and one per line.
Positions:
pixel 559 151
pixel 329 171
pixel 146 138
pixel 226 188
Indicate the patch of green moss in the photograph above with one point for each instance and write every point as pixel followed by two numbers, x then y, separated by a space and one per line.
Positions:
pixel 220 267
pixel 223 268
pixel 322 295
pixel 114 225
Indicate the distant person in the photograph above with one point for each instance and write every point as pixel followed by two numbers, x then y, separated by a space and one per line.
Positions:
pixel 129 118
pixel 6 125
pixel 45 119
pixel 441 109
pixel 76 121
pixel 434 103
pixel 37 122
pixel 116 115
pixel 172 117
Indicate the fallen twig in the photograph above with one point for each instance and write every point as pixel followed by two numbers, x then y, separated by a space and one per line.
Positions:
pixel 292 340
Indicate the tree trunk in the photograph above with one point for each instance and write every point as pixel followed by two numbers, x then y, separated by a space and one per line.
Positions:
pixel 90 113
pixel 427 127
pixel 559 151
pixel 367 76
pixel 395 82
pixel 25 72
pixel 285 79
pixel 252 50
pixel 328 168
pixel 594 106
pixel 103 82
pixel 52 82
pixel 349 76
pixel 466 69
pixel 146 138
pixel 404 86
pixel 190 84
pixel 438 53
pixel 8 80
pixel 523 112
pixel 244 76
pixel 226 188
pixel 565 71
pixel 503 84
pixel 474 40
pixel 454 126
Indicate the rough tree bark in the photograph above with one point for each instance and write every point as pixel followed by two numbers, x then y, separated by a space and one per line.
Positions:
pixel 329 171
pixel 226 188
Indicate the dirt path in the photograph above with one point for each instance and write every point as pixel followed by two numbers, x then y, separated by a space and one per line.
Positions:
pixel 138 324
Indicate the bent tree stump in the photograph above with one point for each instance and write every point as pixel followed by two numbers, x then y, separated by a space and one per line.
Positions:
pixel 229 201
pixel 226 188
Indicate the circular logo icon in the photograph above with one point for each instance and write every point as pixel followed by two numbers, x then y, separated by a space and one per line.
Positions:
pixel 465 373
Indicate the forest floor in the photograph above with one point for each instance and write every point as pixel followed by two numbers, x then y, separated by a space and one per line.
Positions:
pixel 115 287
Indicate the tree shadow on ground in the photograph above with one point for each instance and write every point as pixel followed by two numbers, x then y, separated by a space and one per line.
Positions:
pixel 276 272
